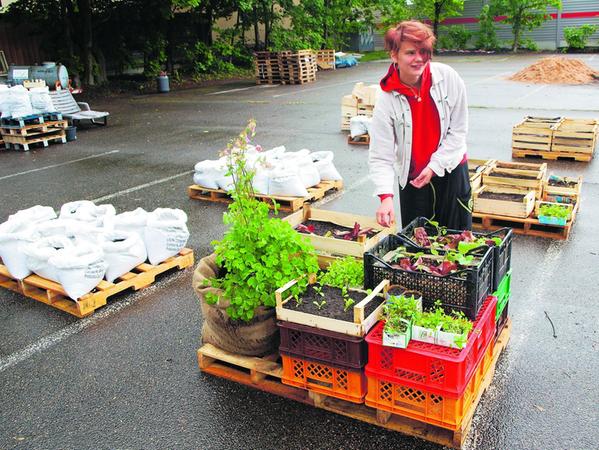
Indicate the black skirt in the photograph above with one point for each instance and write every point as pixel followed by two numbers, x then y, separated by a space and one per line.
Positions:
pixel 446 200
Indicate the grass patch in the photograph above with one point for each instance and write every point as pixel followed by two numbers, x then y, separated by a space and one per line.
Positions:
pixel 374 56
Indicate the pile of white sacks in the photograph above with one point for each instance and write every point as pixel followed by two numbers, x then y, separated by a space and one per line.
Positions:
pixel 277 172
pixel 19 102
pixel 87 242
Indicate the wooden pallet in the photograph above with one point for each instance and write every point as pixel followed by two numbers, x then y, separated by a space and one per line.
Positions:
pixel 363 139
pixel 325 59
pixel 16 141
pixel 551 155
pixel 265 374
pixel 528 227
pixel 36 128
pixel 31 119
pixel 51 293
pixel 285 203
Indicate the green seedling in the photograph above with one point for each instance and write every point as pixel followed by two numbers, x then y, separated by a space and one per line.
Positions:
pixel 319 305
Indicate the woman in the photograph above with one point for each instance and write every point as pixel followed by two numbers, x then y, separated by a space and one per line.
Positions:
pixel 418 133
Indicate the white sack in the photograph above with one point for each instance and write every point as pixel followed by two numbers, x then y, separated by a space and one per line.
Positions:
pixel 122 252
pixel 34 214
pixel 306 169
pixel 286 183
pixel 130 221
pixel 56 227
pixel 79 269
pixel 208 172
pixel 19 103
pixel 87 211
pixel 359 125
pixel 40 100
pixel 324 163
pixel 39 252
pixel 261 180
pixel 13 235
pixel 166 233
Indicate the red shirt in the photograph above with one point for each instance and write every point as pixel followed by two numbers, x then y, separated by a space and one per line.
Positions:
pixel 426 128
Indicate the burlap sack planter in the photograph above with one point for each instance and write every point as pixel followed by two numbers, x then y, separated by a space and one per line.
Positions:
pixel 255 338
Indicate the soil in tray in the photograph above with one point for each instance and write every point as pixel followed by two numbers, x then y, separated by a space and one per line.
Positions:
pixel 512 175
pixel 334 303
pixel 563 183
pixel 505 197
pixel 321 228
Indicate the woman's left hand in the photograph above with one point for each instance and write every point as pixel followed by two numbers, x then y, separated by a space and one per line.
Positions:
pixel 423 179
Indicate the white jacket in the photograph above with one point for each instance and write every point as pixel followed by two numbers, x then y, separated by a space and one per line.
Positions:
pixel 391 131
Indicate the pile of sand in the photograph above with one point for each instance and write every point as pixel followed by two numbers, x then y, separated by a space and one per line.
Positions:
pixel 557 70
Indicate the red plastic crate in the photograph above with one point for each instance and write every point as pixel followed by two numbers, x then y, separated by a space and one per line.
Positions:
pixel 424 405
pixel 346 384
pixel 441 370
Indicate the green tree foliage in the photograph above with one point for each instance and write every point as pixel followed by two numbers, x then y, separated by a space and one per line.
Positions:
pixel 524 15
pixel 578 37
pixel 487 33
pixel 437 10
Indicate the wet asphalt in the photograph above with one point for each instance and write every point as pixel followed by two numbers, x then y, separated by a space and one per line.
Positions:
pixel 127 377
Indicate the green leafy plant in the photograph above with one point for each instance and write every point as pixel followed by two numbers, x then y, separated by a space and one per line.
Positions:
pixel 318 289
pixel 321 304
pixel 456 323
pixel 554 210
pixel 258 253
pixel 348 302
pixel 487 33
pixel 459 36
pixel 400 307
pixel 346 272
pixel 578 37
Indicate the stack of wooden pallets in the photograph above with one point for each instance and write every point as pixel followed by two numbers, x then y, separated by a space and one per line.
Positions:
pixel 325 59
pixel 297 67
pixel 266 65
pixel 555 138
pixel 41 129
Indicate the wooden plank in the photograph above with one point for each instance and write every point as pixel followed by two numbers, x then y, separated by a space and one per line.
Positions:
pixel 551 155
pixel 53 294
pixel 210 363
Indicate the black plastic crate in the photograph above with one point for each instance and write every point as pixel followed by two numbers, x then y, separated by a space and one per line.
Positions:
pixel 501 254
pixel 464 291
pixel 325 346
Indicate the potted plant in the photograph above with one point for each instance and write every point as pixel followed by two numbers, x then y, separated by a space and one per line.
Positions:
pixel 257 254
pixel 554 213
pixel 398 314
pixel 436 327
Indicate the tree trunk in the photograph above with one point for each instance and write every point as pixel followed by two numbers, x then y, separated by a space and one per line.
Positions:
pixel 516 29
pixel 88 59
pixel 438 8
pixel 101 60
pixel 170 37
pixel 256 29
pixel 66 23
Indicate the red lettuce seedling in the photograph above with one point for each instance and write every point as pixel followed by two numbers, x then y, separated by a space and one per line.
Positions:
pixel 305 228
pixel 421 237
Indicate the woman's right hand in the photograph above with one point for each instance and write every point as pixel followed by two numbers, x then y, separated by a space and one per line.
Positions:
pixel 385 214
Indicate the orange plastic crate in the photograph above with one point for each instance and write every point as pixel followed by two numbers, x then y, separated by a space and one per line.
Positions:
pixel 422 405
pixel 325 379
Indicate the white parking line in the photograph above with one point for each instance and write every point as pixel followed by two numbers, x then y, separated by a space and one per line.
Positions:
pixel 315 88
pixel 48 341
pixel 534 91
pixel 231 90
pixel 57 165
pixel 141 186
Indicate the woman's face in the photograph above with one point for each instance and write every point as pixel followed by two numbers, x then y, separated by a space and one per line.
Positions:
pixel 411 59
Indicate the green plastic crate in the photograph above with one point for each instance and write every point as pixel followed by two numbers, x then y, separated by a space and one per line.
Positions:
pixel 503 293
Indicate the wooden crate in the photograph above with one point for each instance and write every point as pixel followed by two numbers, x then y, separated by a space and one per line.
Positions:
pixel 528 226
pixel 551 155
pixel 563 191
pixel 52 293
pixel 576 136
pixel 476 169
pixel 285 203
pixel 265 374
pixel 495 176
pixel 361 325
pixel 534 133
pixel 334 246
pixel 541 167
pixel 503 207
pixel 325 59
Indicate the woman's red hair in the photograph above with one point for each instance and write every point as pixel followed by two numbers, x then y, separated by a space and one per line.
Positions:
pixel 410 31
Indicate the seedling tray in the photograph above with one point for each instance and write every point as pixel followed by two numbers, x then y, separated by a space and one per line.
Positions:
pixel 360 325
pixel 440 370
pixel 322 345
pixel 336 246
pixel 563 191
pixel 464 291
pixel 502 255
